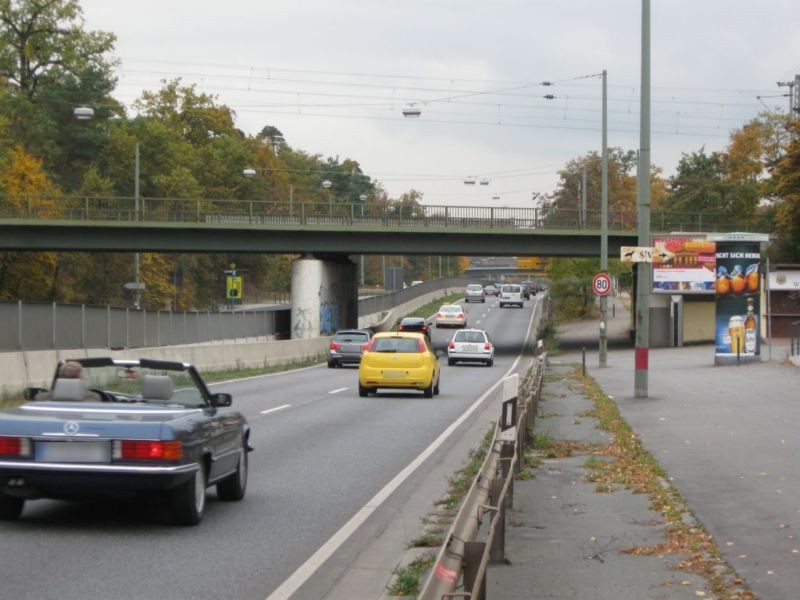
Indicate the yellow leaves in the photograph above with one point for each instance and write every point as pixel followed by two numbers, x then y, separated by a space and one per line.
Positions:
pixel 24 175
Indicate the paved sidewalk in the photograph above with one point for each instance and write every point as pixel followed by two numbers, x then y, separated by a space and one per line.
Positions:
pixel 727 438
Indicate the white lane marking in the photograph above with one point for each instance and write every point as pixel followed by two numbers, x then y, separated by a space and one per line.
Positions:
pixel 337 391
pixel 270 410
pixel 316 560
pixel 266 375
pixel 478 322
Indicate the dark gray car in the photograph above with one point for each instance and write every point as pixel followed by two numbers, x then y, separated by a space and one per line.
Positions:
pixel 124 427
pixel 346 347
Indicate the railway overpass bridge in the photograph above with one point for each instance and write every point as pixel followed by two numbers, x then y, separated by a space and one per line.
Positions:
pixel 324 291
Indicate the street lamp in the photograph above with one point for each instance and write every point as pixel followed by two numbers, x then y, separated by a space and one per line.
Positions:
pixel 86 113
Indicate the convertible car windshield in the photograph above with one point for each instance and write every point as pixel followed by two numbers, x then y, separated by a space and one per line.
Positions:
pixel 137 383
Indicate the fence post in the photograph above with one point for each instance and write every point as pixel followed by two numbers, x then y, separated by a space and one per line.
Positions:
pixel 158 327
pixel 108 326
pixel 83 326
pixel 497 552
pixel 54 326
pixel 127 327
pixel 473 553
pixel 197 209
pixel 19 324
pixel 144 327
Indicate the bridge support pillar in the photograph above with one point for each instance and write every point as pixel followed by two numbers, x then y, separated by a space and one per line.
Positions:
pixel 324 295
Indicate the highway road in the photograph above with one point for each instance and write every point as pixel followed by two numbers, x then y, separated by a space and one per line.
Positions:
pixel 321 453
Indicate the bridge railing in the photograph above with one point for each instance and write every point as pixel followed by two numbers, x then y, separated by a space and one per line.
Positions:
pixel 215 213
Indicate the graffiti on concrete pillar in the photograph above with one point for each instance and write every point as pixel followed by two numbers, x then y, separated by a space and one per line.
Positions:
pixel 302 324
pixel 328 318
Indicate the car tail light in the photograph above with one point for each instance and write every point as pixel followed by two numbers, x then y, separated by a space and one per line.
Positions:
pixel 15 446
pixel 439 315
pixel 460 316
pixel 364 346
pixel 421 345
pixel 452 346
pixel 147 450
pixel 424 328
pixel 369 346
pixel 335 346
pixel 487 346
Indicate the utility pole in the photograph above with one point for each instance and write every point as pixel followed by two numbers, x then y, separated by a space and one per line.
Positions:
pixel 583 196
pixel 643 270
pixel 137 293
pixel 603 226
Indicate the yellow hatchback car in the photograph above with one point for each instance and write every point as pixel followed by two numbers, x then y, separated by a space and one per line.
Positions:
pixel 398 360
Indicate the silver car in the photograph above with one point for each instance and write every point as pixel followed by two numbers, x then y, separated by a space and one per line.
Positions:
pixel 471 345
pixel 346 347
pixel 474 293
pixel 451 315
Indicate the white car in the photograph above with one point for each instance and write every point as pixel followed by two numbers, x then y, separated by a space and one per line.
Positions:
pixel 471 345
pixel 511 294
pixel 451 315
pixel 474 292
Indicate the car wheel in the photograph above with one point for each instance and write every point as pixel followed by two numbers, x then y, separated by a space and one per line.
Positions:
pixel 436 389
pixel 233 487
pixel 490 362
pixel 188 501
pixel 10 507
pixel 363 391
pixel 331 364
pixel 450 362
pixel 428 391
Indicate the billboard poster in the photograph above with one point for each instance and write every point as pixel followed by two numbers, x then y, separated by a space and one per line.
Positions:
pixel 690 267
pixel 738 302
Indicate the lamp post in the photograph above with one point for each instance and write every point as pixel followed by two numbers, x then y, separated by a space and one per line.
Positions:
pixel 327 185
pixel 363 199
pixel 86 113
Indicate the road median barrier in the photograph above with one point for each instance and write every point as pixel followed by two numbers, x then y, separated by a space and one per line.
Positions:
pixel 476 538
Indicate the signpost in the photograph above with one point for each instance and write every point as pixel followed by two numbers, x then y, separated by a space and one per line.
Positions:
pixel 644 254
pixel 601 284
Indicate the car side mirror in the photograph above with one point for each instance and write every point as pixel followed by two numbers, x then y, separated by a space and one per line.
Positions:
pixel 30 393
pixel 221 400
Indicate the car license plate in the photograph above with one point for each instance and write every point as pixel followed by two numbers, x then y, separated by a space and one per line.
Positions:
pixel 471 348
pixel 394 374
pixel 76 452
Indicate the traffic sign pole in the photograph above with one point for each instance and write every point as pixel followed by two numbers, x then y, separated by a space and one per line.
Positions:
pixel 604 229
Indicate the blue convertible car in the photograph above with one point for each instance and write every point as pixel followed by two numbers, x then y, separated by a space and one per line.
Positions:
pixel 123 426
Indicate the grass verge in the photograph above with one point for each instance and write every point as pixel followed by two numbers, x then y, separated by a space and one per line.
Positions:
pixel 408 579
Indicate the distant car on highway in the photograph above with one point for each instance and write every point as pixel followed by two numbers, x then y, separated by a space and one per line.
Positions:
pixel 474 293
pixel 346 347
pixel 450 315
pixel 471 345
pixel 399 360
pixel 511 293
pixel 415 324
pixel 526 289
pixel 151 427
pixel 491 290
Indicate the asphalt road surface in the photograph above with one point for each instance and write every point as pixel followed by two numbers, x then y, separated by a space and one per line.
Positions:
pixel 321 453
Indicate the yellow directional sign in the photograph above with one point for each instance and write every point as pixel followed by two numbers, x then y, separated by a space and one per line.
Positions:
pixel 644 254
pixel 528 262
pixel 234 287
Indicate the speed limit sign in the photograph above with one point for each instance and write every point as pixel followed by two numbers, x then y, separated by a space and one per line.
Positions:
pixel 601 284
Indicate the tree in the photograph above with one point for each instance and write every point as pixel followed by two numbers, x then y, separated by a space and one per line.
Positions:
pixel 787 175
pixel 40 39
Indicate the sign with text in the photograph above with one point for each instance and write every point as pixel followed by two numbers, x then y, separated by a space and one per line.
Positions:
pixel 738 302
pixel 689 269
pixel 234 287
pixel 645 254
pixel 601 284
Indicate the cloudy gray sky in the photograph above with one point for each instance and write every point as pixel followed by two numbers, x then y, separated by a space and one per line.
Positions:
pixel 334 76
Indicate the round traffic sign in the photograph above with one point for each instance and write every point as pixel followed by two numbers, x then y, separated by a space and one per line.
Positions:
pixel 601 284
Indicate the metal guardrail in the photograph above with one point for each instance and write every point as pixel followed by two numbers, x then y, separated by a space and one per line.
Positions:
pixel 794 342
pixel 221 213
pixel 461 563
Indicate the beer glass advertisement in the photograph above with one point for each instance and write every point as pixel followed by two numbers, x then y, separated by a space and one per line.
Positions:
pixel 738 301
pixel 688 267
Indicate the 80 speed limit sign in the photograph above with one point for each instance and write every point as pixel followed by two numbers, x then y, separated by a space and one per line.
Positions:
pixel 601 284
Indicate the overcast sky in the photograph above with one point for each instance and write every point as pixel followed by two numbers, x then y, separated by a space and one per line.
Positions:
pixel 334 77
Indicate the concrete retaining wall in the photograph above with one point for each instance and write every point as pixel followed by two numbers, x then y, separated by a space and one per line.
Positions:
pixel 36 367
